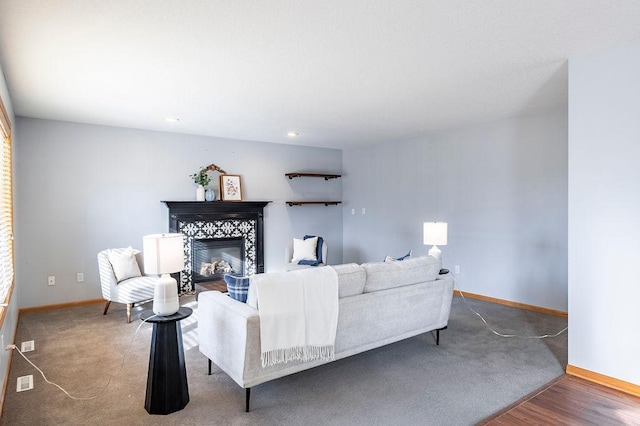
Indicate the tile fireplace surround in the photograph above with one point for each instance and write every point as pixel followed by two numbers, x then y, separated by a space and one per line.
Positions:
pixel 219 220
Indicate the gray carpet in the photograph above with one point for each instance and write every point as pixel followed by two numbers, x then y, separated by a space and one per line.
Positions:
pixel 471 375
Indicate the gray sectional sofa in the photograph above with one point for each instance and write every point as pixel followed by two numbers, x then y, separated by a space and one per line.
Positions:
pixel 379 303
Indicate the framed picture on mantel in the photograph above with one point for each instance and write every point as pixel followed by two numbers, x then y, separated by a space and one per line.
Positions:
pixel 230 188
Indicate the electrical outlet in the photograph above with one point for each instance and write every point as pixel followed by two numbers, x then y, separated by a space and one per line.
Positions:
pixel 51 280
pixel 456 269
pixel 363 210
pixel 353 211
pixel 80 277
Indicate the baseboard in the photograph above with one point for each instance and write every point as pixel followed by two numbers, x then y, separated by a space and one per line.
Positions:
pixel 510 303
pixel 603 380
pixel 60 305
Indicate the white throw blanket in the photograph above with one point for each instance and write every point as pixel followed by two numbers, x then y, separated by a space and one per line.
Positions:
pixel 298 314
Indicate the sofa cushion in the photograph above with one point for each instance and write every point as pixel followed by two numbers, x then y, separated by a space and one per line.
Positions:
pixel 384 275
pixel 351 278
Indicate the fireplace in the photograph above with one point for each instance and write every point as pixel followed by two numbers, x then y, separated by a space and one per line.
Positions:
pixel 219 237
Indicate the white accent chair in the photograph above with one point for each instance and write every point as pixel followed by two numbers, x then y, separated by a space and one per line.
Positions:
pixel 288 257
pixel 129 291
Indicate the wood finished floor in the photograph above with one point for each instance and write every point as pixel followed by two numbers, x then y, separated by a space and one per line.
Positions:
pixel 570 400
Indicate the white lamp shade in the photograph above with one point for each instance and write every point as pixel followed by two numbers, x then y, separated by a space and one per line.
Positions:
pixel 163 253
pixel 435 233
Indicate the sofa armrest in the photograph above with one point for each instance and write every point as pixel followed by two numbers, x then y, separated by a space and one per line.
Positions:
pixel 224 325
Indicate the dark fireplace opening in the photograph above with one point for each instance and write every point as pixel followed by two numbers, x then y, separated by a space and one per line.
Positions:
pixel 213 258
pixel 196 220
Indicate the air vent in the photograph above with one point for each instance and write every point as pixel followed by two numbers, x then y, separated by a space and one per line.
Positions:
pixel 28 346
pixel 24 383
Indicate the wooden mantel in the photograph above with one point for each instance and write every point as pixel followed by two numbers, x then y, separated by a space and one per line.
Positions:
pixel 213 207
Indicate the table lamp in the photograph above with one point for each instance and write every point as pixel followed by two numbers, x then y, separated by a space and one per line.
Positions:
pixel 164 255
pixel 435 233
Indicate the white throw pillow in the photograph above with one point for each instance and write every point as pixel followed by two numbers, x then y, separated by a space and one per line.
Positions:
pixel 123 262
pixel 304 249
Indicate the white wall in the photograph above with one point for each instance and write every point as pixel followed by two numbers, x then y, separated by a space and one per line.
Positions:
pixel 501 186
pixel 84 188
pixel 604 213
pixel 7 331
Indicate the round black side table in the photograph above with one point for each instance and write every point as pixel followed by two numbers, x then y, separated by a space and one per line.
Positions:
pixel 167 389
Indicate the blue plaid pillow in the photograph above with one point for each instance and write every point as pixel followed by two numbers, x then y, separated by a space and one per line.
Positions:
pixel 238 287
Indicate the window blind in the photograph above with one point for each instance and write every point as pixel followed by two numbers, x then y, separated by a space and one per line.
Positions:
pixel 6 209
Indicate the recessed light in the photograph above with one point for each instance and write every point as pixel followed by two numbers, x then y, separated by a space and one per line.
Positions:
pixel 172 119
pixel 292 134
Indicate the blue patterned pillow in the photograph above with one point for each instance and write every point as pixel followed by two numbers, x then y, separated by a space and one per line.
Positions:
pixel 238 287
pixel 318 251
pixel 391 259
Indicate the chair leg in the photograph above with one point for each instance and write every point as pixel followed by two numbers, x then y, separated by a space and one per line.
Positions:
pixel 106 307
pixel 248 396
pixel 129 305
pixel 209 366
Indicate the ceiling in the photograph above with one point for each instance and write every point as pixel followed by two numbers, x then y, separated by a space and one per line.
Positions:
pixel 341 73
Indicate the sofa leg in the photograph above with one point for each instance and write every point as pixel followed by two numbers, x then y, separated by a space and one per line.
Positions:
pixel 247 398
pixel 438 334
pixel 106 307
pixel 209 366
pixel 129 305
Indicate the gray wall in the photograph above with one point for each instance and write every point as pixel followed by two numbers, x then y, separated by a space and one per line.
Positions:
pixel 7 330
pixel 604 213
pixel 84 188
pixel 501 186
